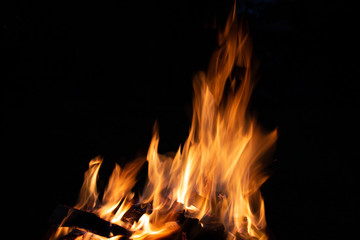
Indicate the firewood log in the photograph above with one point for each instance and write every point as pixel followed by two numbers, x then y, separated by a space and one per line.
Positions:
pixel 70 217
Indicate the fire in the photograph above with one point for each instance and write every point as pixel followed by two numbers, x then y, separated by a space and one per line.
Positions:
pixel 220 161
pixel 117 195
pixel 218 171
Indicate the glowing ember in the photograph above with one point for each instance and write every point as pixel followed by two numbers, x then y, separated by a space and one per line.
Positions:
pixel 216 174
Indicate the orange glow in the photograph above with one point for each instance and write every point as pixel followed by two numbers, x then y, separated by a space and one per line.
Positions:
pixel 218 171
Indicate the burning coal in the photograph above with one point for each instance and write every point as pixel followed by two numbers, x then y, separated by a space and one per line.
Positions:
pixel 214 178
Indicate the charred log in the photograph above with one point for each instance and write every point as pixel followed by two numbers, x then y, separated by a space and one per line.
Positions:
pixel 74 234
pixel 208 228
pixel 244 236
pixel 135 212
pixel 70 217
pixel 192 228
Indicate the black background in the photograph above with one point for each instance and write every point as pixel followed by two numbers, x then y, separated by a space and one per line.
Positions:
pixel 82 79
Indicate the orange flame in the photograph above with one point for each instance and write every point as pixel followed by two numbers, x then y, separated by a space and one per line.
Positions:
pixel 117 195
pixel 219 170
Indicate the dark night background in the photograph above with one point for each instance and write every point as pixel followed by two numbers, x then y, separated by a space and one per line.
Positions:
pixel 82 79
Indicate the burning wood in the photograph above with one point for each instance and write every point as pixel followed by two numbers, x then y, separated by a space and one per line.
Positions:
pixel 135 213
pixel 65 216
pixel 210 188
pixel 82 222
pixel 190 228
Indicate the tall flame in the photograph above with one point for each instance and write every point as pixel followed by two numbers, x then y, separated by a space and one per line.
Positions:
pixel 218 171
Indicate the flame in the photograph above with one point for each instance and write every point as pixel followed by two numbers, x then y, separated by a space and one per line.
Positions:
pixel 145 230
pixel 117 195
pixel 88 194
pixel 218 171
pixel 220 168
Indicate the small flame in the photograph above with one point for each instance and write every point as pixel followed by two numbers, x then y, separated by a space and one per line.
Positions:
pixel 220 168
pixel 117 195
pixel 88 196
pixel 145 230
